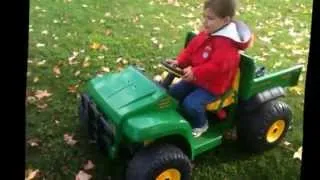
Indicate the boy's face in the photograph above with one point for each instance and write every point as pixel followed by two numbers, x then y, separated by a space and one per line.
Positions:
pixel 211 22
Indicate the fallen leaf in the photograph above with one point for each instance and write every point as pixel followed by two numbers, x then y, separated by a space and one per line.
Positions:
pixel 277 64
pixel 31 174
pixel 69 139
pixel 298 154
pixel 103 47
pixel 74 55
pixel 77 73
pixel 83 176
pixel 33 142
pixel 156 28
pixel 42 93
pixel 95 45
pixel 286 143
pixel 89 165
pixel 171 1
pixel 135 19
pixel 105 69
pixel 107 32
pixel 40 45
pixel 141 26
pixel 41 62
pixel 42 106
pixel 56 71
pixel 36 79
pixel 73 88
pixel 31 99
pixel 297 89
pixel 154 40
pixel 265 39
pixel 119 59
pixel 44 32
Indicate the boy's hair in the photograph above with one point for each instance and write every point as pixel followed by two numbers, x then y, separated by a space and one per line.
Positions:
pixel 222 8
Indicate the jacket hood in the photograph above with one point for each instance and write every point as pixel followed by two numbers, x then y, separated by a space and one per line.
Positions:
pixel 237 31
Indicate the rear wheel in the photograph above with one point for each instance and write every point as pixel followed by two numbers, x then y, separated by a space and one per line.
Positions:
pixel 264 128
pixel 159 162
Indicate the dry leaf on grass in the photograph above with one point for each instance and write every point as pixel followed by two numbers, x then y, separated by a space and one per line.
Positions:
pixel 73 88
pixel 33 142
pixel 42 106
pixel 298 154
pixel 77 73
pixel 41 94
pixel 286 143
pixel 88 166
pixel 69 139
pixel 56 71
pixel 83 176
pixel 31 174
pixel 105 69
pixel 73 57
pixel 36 79
pixel 95 46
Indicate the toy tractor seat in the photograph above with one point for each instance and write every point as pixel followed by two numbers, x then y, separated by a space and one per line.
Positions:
pixel 225 100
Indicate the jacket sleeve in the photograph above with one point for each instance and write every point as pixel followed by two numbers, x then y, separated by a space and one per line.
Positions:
pixel 184 56
pixel 220 61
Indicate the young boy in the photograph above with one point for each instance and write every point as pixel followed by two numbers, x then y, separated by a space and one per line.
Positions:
pixel 210 61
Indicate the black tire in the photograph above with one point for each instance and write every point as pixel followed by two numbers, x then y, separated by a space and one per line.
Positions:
pixel 252 127
pixel 83 110
pixel 86 125
pixel 150 162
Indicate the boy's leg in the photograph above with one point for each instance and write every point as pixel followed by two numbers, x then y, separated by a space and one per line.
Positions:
pixel 195 107
pixel 180 90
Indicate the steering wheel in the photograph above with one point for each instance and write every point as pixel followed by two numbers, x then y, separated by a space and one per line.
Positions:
pixel 171 68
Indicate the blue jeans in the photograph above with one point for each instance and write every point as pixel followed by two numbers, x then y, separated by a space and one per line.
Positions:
pixel 193 100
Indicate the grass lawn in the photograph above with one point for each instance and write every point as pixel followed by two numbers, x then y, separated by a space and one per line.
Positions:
pixel 70 41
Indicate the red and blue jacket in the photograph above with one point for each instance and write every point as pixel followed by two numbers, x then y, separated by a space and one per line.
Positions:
pixel 215 57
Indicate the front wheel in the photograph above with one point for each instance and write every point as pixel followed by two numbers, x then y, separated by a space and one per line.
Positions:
pixel 86 126
pixel 266 127
pixel 160 162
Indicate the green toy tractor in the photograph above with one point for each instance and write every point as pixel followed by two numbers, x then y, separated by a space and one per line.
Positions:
pixel 127 113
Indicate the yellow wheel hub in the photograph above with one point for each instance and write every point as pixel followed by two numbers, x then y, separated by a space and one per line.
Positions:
pixel 169 174
pixel 275 131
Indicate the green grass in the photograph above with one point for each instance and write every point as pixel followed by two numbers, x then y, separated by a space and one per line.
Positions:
pixel 71 29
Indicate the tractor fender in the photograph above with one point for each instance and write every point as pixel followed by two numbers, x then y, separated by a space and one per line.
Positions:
pixel 260 98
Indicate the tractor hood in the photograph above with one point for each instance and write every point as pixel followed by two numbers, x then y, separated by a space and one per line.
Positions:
pixel 121 94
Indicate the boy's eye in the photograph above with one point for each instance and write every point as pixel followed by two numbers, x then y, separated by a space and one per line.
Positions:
pixel 208 17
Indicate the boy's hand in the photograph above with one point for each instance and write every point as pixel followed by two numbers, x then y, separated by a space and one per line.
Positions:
pixel 188 74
